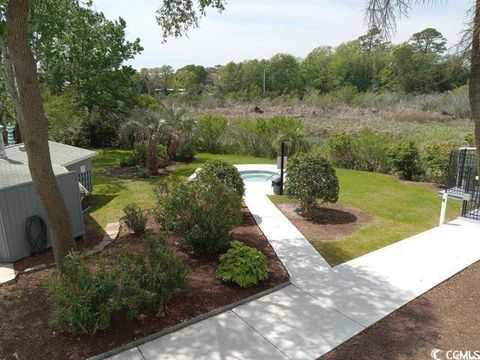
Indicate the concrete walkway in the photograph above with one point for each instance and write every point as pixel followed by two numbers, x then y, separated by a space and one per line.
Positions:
pixel 324 306
pixel 7 273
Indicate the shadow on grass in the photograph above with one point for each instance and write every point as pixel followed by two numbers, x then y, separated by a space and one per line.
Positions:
pixel 328 216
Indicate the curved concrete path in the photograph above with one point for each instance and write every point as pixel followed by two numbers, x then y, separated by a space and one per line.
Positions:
pixel 324 306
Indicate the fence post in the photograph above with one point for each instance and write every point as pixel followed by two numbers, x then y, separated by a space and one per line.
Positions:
pixel 443 211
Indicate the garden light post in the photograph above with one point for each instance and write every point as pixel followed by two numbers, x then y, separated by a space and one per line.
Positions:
pixel 282 165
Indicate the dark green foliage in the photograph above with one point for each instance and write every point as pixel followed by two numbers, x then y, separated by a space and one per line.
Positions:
pixel 128 161
pixel 147 280
pixel 223 171
pixel 202 215
pixel 143 174
pixel 99 129
pixel 210 133
pixel 135 218
pixel 185 152
pixel 140 154
pixel 311 179
pixel 83 301
pixel 405 160
pixel 243 265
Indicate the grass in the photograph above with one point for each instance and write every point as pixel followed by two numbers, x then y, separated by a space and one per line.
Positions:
pixel 401 209
pixel 112 194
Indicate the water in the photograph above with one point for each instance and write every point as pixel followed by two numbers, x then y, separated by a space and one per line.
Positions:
pixel 257 176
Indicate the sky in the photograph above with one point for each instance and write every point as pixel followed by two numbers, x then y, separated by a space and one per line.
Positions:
pixel 250 29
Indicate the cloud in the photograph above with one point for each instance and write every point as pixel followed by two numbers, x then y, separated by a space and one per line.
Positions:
pixel 259 29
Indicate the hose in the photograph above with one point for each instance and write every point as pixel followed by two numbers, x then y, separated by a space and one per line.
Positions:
pixel 37 239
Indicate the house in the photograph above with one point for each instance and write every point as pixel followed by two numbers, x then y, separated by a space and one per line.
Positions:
pixel 19 201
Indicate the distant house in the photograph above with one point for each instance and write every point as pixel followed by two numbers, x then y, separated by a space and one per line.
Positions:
pixel 19 201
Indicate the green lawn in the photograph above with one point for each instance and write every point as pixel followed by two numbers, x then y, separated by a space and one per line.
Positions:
pixel 113 194
pixel 400 209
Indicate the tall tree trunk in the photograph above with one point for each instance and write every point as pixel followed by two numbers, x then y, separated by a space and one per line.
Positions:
pixel 9 79
pixel 474 88
pixel 34 128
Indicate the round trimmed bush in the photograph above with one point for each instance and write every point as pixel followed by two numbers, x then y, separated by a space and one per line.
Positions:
pixel 223 171
pixel 202 215
pixel 243 265
pixel 311 179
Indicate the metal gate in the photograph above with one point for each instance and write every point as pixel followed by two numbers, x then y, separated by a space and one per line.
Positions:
pixel 471 196
pixel 459 175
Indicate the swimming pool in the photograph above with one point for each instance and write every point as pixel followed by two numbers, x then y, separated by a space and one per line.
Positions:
pixel 257 175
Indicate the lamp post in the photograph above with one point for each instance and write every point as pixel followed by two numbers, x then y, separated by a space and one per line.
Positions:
pixel 282 164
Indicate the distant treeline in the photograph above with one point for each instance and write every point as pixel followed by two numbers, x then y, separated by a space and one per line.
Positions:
pixel 369 63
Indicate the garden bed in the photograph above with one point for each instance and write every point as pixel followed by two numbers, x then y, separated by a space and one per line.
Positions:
pixel 25 332
pixel 328 223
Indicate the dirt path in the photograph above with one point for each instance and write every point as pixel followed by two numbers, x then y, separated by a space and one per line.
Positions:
pixel 445 318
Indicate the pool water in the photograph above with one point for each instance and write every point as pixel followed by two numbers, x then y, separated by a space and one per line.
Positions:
pixel 257 176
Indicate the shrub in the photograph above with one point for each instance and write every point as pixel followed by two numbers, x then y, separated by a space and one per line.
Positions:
pixel 202 215
pixel 435 160
pixel 83 301
pixel 223 171
pixel 185 152
pixel 148 280
pixel 405 160
pixel 140 154
pixel 243 265
pixel 371 149
pixel 341 150
pixel 210 133
pixel 363 151
pixel 143 174
pixel 135 218
pixel 311 179
pixel 128 161
pixel 262 137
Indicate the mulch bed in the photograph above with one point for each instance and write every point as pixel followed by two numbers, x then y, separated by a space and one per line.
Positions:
pixel 26 334
pixel 329 223
pixel 444 318
pixel 93 236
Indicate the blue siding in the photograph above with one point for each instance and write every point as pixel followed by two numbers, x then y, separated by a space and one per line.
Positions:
pixel 86 177
pixel 20 202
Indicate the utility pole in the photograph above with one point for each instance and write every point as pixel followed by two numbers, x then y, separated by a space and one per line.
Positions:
pixel 264 77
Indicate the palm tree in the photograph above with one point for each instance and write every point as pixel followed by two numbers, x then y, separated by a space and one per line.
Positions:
pixel 177 127
pixel 382 14
pixel 170 125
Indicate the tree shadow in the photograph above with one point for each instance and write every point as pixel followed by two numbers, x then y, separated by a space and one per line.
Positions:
pixel 328 216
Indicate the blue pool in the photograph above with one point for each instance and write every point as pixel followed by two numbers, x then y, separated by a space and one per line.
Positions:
pixel 257 175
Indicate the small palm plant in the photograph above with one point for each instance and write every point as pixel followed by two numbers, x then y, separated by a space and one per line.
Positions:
pixel 170 125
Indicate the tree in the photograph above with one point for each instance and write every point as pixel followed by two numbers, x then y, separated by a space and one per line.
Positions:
pixel 311 180
pixel 283 75
pixel 429 40
pixel 373 39
pixel 145 125
pixel 77 48
pixel 383 13
pixel 317 70
pixel 34 127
